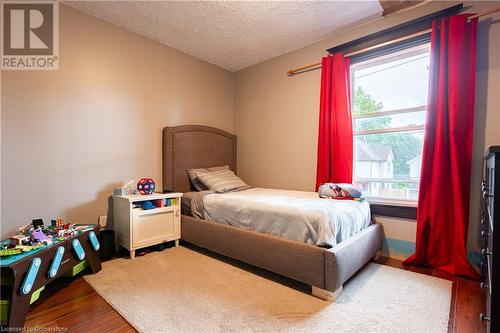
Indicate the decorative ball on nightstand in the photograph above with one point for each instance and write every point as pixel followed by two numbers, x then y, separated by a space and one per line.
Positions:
pixel 146 186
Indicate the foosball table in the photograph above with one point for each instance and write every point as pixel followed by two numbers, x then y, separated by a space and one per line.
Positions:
pixel 24 275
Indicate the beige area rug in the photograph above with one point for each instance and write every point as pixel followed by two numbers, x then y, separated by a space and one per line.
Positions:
pixel 182 290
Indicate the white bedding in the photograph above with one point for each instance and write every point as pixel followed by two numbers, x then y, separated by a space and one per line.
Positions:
pixel 299 216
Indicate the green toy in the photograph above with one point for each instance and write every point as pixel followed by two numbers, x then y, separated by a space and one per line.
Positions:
pixel 9 252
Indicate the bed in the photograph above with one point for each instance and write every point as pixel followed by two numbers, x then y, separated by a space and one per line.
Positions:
pixel 295 215
pixel 326 268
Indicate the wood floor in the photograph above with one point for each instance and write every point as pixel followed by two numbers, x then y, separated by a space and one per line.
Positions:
pixel 71 304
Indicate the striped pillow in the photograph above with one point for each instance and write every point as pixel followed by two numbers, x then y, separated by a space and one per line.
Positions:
pixel 193 176
pixel 221 181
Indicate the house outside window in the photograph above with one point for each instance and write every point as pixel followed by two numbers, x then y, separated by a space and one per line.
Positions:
pixel 389 97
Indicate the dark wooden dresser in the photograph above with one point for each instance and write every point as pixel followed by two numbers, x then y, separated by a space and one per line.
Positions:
pixel 490 232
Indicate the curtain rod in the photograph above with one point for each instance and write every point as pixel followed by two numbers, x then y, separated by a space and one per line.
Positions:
pixel 317 65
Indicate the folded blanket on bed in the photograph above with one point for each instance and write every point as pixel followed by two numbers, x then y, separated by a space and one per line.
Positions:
pixel 339 191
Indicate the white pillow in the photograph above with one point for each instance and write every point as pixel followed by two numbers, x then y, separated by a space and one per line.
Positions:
pixel 221 181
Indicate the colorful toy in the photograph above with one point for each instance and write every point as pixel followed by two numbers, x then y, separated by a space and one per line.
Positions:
pixel 37 223
pixel 47 241
pixel 29 238
pixel 159 203
pixel 147 205
pixel 146 186
pixel 28 270
pixel 59 222
pixel 38 236
pixel 9 252
pixel 20 239
pixel 340 191
pixel 24 248
pixel 23 230
pixel 66 232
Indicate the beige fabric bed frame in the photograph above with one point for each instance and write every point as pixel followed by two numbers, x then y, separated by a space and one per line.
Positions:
pixel 326 270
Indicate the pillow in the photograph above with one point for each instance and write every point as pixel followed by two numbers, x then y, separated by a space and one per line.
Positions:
pixel 193 176
pixel 339 191
pixel 221 181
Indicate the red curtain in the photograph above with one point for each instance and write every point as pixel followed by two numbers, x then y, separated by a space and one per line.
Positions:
pixel 443 203
pixel 335 122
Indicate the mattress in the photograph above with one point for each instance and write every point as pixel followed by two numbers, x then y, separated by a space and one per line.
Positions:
pixel 295 215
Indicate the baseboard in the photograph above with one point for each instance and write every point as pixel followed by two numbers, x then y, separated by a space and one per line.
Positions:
pixel 401 249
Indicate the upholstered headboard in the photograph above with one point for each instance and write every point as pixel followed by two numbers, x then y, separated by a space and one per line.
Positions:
pixel 194 146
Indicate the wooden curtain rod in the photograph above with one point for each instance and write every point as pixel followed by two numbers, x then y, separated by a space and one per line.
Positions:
pixel 373 47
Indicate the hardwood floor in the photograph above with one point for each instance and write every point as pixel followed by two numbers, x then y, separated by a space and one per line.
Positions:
pixel 71 304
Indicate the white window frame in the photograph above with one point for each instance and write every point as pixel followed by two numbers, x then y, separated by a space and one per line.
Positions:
pixel 421 49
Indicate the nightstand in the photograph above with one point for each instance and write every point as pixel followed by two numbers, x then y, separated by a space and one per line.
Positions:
pixel 137 227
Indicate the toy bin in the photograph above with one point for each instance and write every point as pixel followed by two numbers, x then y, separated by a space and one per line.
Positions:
pixel 76 269
pixel 5 290
pixel 5 304
pixel 107 241
pixel 4 311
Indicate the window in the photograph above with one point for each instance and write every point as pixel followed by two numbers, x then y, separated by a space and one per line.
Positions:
pixel 389 97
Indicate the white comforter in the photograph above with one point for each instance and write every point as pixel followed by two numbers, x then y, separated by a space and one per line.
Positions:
pixel 299 216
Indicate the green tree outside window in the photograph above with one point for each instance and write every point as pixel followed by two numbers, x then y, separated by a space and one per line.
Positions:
pixel 405 146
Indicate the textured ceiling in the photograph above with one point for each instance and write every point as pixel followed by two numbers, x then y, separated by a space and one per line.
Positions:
pixel 233 34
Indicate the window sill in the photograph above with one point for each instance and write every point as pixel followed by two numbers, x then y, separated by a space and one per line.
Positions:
pixel 392 202
pixel 394 208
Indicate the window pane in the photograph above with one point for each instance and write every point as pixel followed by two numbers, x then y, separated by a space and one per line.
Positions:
pixel 388 165
pixel 390 121
pixel 393 84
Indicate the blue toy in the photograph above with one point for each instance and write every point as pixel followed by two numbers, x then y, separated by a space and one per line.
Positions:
pixel 148 205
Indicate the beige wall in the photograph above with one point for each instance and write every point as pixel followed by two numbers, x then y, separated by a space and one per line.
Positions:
pixel 276 116
pixel 70 136
pixel 487 116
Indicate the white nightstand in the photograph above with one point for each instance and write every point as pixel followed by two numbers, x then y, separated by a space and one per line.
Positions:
pixel 137 228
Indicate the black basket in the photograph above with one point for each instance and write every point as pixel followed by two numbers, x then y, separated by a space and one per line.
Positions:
pixel 107 241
